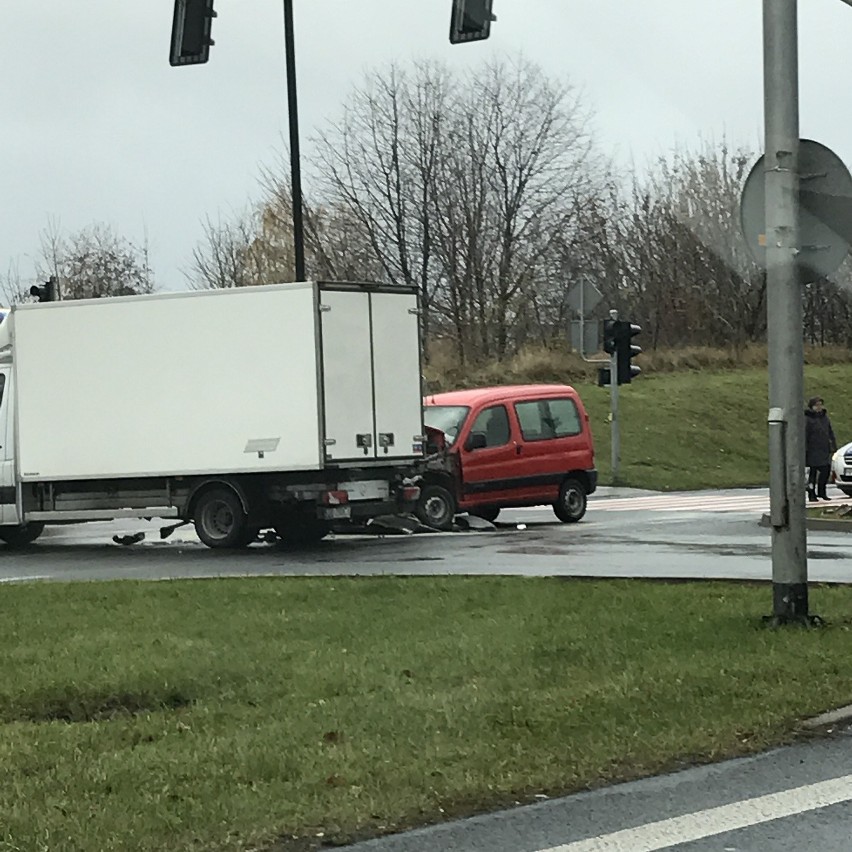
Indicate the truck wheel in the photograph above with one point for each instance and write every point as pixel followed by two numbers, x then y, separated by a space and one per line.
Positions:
pixel 571 505
pixel 487 513
pixel 436 507
pixel 220 520
pixel 23 535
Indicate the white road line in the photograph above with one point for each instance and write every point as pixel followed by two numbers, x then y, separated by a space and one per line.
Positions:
pixel 688 507
pixel 670 504
pixel 682 500
pixel 696 826
pixel 720 507
pixel 23 579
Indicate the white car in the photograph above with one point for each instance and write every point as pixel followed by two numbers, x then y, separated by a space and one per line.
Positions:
pixel 841 469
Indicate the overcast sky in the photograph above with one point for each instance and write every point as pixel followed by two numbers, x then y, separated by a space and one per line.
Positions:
pixel 97 126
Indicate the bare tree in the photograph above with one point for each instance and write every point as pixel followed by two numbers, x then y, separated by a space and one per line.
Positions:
pixel 523 188
pixel 12 284
pixel 377 167
pixel 464 188
pixel 488 194
pixel 255 247
pixel 684 265
pixel 337 245
pixel 94 262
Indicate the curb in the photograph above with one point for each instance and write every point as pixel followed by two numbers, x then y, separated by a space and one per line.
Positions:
pixel 829 525
pixel 824 524
pixel 842 715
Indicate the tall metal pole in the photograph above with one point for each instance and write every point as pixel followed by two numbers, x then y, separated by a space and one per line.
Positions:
pixel 784 313
pixel 613 410
pixel 295 157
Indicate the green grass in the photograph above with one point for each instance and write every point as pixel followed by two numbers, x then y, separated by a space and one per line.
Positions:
pixel 237 714
pixel 695 418
pixel 689 430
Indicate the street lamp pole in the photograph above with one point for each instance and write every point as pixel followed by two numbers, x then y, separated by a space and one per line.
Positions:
pixel 295 158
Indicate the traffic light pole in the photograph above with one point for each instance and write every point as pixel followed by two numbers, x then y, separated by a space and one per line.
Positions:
pixel 613 410
pixel 784 314
pixel 613 416
pixel 295 156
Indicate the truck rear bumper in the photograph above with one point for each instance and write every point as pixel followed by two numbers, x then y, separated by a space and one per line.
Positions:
pixel 361 510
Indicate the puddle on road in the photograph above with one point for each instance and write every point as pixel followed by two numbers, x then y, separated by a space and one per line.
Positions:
pixel 536 550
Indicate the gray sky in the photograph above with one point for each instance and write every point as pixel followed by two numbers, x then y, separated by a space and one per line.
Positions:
pixel 96 125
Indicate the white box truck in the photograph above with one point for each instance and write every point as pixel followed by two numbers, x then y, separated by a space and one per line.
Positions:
pixel 285 407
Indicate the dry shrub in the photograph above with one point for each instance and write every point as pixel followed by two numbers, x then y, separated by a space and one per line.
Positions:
pixel 531 365
pixel 824 355
pixel 562 365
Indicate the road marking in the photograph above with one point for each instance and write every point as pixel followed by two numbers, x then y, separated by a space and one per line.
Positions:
pixel 700 824
pixel 673 503
pixel 23 579
pixel 691 506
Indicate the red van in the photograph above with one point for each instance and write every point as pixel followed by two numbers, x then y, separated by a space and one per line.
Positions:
pixel 505 447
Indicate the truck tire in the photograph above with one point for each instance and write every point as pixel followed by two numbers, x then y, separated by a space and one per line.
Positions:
pixel 220 520
pixel 436 507
pixel 487 513
pixel 571 505
pixel 23 535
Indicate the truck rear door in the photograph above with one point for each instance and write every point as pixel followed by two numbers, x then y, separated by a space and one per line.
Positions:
pixel 347 375
pixel 8 486
pixel 396 373
pixel 371 374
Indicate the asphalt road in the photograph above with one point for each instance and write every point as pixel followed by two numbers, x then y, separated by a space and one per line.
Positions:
pixel 689 535
pixel 795 798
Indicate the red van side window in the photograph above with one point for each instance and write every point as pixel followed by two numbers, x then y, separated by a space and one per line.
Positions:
pixel 494 424
pixel 546 419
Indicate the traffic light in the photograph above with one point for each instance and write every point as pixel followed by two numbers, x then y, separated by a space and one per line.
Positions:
pixel 625 351
pixel 471 20
pixel 609 339
pixel 45 293
pixel 191 27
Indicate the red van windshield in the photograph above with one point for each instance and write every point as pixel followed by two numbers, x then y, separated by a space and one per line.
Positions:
pixel 447 418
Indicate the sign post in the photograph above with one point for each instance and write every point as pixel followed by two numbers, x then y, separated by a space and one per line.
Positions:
pixel 784 310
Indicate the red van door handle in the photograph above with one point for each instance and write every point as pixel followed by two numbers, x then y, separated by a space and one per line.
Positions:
pixel 518 449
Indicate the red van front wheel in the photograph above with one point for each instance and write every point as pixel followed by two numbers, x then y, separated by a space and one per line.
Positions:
pixel 436 507
pixel 571 505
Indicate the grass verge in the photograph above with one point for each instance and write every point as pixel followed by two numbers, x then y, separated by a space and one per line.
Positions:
pixel 835 512
pixel 689 430
pixel 695 421
pixel 244 714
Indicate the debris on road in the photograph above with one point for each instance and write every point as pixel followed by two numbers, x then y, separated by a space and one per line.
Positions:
pixel 126 540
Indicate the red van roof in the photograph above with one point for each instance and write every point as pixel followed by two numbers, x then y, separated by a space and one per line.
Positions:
pixel 473 396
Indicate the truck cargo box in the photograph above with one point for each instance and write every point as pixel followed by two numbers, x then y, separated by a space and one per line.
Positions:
pixel 258 379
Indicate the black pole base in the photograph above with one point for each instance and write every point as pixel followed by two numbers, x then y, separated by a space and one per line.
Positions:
pixel 790 606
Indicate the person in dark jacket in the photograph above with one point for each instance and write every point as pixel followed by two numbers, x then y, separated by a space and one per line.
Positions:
pixel 820 445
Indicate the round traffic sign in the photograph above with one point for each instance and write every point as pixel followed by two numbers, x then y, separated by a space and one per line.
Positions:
pixel 825 211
